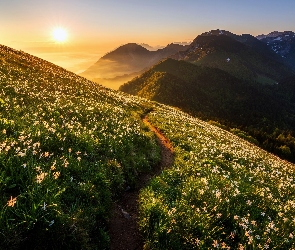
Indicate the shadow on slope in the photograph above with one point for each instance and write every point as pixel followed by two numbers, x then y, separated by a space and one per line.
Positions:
pixel 213 94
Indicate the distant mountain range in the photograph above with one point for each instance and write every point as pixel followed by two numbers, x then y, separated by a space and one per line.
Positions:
pixel 126 62
pixel 243 56
pixel 283 44
pixel 239 81
pixel 265 59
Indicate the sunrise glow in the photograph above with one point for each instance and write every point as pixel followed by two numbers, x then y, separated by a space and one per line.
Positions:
pixel 60 35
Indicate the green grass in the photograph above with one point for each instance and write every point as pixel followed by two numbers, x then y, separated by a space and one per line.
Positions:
pixel 68 147
pixel 222 192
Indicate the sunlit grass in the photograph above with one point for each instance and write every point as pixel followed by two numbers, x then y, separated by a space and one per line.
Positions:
pixel 67 148
pixel 222 192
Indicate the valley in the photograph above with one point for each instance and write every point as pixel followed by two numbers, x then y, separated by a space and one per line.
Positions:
pixel 127 62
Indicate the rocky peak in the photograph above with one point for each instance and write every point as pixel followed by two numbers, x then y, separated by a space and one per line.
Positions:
pixel 282 43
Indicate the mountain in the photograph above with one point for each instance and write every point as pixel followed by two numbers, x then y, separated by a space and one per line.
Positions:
pixel 243 56
pixel 69 149
pixel 214 94
pixel 283 44
pixel 126 62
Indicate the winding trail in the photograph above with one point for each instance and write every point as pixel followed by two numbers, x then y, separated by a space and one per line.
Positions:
pixel 124 232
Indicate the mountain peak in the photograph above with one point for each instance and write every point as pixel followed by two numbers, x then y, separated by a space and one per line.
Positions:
pixel 126 49
pixel 127 61
pixel 174 48
pixel 217 32
pixel 275 34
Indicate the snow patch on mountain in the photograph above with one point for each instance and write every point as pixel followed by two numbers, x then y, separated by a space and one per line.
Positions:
pixel 280 42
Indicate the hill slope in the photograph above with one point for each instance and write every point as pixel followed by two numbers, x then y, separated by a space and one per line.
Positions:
pixel 126 62
pixel 214 94
pixel 68 147
pixel 221 192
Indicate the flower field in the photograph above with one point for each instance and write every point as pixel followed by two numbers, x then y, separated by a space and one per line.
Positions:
pixel 222 192
pixel 68 147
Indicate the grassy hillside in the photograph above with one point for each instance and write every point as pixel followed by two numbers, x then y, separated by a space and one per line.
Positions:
pixel 67 147
pixel 264 112
pixel 222 192
pixel 194 89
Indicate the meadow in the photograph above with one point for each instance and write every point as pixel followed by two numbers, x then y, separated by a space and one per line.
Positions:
pixel 68 148
pixel 222 192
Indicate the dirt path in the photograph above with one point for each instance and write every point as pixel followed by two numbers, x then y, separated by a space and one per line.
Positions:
pixel 124 231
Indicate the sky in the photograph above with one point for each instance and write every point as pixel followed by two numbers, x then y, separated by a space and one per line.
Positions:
pixel 96 27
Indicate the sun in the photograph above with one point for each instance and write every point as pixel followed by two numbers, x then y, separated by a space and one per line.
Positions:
pixel 59 35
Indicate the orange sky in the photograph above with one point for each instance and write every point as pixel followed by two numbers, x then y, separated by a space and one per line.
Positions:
pixel 96 27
